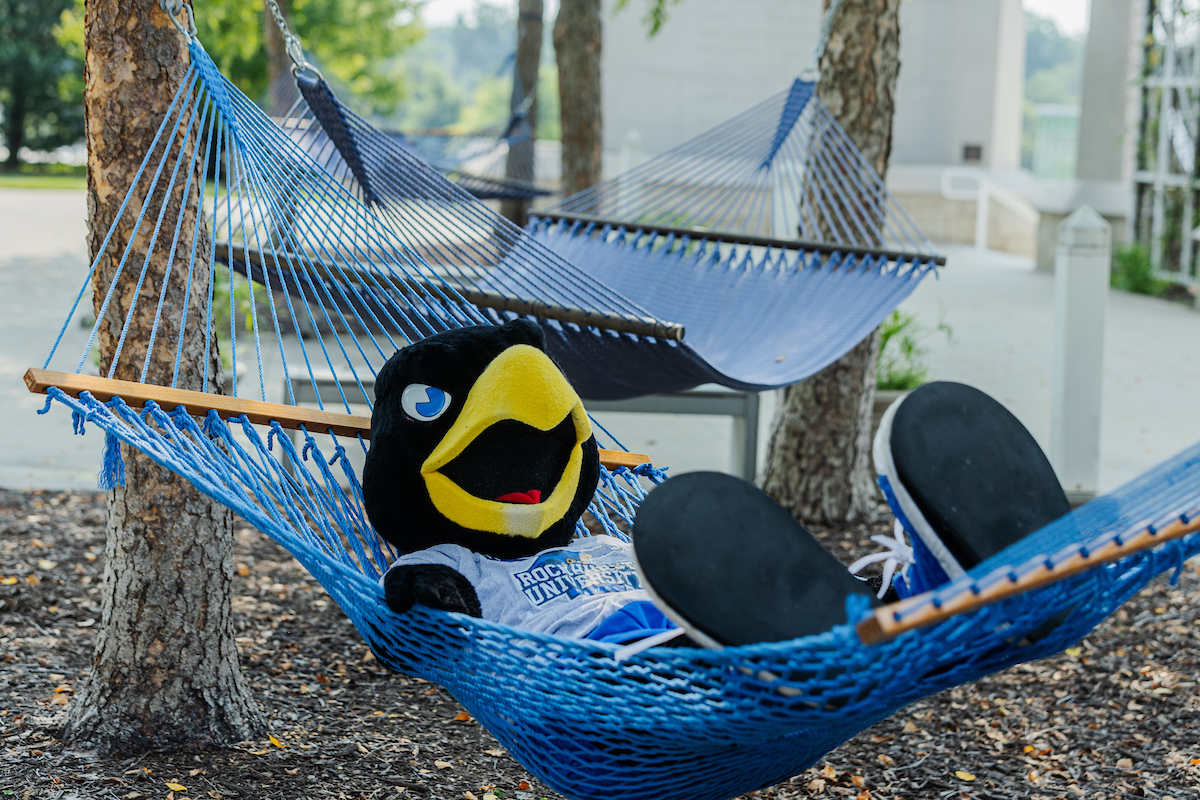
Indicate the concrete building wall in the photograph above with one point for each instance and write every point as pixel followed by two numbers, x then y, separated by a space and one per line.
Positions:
pixel 961 80
pixel 712 60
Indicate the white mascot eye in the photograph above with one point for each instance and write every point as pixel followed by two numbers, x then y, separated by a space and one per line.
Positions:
pixel 424 403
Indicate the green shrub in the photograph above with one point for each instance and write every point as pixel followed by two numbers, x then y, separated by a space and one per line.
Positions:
pixel 901 364
pixel 1133 272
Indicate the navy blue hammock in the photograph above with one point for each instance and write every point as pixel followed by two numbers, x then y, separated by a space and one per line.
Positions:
pixel 774 245
pixel 497 164
pixel 583 718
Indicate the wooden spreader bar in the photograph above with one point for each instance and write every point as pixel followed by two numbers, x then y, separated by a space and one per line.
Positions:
pixel 537 308
pixel 198 404
pixel 919 612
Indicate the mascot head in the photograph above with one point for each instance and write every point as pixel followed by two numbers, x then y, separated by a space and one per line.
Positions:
pixel 478 439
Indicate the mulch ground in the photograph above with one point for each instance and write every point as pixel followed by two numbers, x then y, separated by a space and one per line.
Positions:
pixel 1115 717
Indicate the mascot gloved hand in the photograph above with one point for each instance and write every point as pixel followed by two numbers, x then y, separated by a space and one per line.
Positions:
pixel 482 461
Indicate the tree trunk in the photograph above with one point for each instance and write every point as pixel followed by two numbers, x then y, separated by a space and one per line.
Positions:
pixel 279 63
pixel 577 39
pixel 165 673
pixel 14 126
pixel 519 164
pixel 819 464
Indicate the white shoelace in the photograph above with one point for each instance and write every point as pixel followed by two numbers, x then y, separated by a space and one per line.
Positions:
pixel 898 555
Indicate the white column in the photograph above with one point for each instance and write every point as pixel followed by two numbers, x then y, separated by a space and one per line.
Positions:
pixel 1081 273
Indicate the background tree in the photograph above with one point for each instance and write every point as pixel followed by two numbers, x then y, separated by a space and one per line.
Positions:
pixel 358 42
pixel 577 40
pixel 819 463
pixel 519 164
pixel 39 78
pixel 279 63
pixel 165 672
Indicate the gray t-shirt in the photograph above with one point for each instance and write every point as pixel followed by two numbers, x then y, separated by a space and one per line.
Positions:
pixel 564 591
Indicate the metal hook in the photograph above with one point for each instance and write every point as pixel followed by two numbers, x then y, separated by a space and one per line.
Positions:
pixel 173 8
pixel 294 49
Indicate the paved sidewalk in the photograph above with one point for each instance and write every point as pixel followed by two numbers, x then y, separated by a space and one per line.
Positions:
pixel 1001 312
pixel 1002 315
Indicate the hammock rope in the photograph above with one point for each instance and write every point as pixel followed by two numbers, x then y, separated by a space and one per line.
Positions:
pixel 664 722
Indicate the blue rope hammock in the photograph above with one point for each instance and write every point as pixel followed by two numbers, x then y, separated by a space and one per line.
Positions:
pixel 662 723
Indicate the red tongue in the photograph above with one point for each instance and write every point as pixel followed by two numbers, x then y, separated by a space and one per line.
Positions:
pixel 531 498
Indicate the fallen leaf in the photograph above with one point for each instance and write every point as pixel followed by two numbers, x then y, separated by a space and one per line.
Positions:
pixel 489 796
pixel 469 796
pixel 362 749
pixel 963 776
pixel 816 785
pixel 442 764
pixel 858 780
pixel 131 796
pixel 195 772
pixel 258 752
pixel 1124 763
pixel 175 787
pixel 8 581
pixel 275 741
pixel 886 760
pixel 33 580
pixel 1028 748
pixel 46 564
pixel 829 773
pixel 60 700
pixel 523 785
pixel 909 727
pixel 243 570
pixel 1073 652
pixel 499 753
pixel 291 771
pixel 462 717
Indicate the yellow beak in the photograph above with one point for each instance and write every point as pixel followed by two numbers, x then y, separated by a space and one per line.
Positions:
pixel 521 384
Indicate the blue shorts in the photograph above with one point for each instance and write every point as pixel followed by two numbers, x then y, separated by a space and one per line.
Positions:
pixel 634 621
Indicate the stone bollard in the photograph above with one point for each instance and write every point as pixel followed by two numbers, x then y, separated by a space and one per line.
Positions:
pixel 1081 274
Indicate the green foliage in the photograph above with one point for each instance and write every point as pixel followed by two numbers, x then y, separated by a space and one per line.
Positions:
pixel 1133 271
pixel 656 13
pixel 356 41
pixel 434 99
pixel 1045 47
pixel 45 176
pixel 901 364
pixel 549 121
pixel 490 106
pixel 1053 74
pixel 40 77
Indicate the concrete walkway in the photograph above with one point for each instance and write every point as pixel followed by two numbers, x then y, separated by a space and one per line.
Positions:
pixel 1001 312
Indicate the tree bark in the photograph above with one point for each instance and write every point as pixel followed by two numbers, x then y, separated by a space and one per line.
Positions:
pixel 165 673
pixel 819 464
pixel 14 127
pixel 577 40
pixel 519 164
pixel 279 63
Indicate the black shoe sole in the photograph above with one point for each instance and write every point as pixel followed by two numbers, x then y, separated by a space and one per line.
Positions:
pixel 731 566
pixel 968 477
